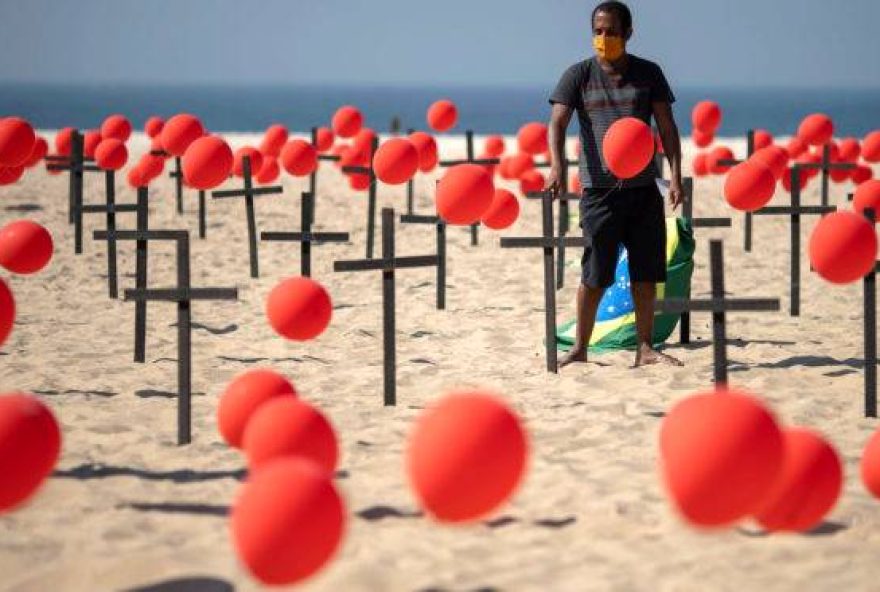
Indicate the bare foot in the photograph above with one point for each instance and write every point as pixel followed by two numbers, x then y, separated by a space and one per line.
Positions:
pixel 575 354
pixel 645 356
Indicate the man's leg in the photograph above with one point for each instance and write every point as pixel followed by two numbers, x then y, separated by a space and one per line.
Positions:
pixel 644 295
pixel 587 306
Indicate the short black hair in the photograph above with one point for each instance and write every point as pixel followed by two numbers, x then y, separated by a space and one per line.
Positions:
pixel 618 8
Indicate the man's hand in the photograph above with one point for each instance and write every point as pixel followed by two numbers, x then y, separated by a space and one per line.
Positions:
pixel 554 181
pixel 676 193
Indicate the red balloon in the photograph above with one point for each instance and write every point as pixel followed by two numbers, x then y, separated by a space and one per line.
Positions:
pixel 442 115
pixel 137 176
pixel 274 140
pixel 299 158
pixel 714 158
pixel 324 139
pixel 269 172
pixel 700 165
pixel 465 456
pixel 179 132
pixel 871 147
pixel 256 159
pixel 519 164
pixel 706 117
pixel 116 126
pixel 867 195
pixel 807 485
pixel 489 168
pixel 803 179
pixel 207 163
pixel 494 147
pixel 359 181
pixel 244 395
pixel 531 181
pixel 796 147
pixel 702 139
pixel 363 142
pixel 843 247
pixel 152 166
pixel 850 150
pixel 426 146
pixel 870 465
pixel 464 194
pixel 299 308
pixel 532 138
pixel 763 139
pixel 503 211
pixel 749 186
pixel 9 175
pixel 720 454
pixel 30 441
pixel 575 183
pixel 91 139
pixel 38 153
pixel 63 141
pixel 288 426
pixel 111 154
pixel 861 174
pixel 396 161
pixel 7 311
pixel 816 129
pixel 347 121
pixel 287 521
pixel 153 126
pixel 16 141
pixel 774 157
pixel 25 247
pixel 628 147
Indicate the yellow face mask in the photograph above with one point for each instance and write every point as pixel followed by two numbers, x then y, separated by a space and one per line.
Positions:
pixel 609 48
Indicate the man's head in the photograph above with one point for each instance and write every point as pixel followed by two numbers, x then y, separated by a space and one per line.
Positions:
pixel 612 28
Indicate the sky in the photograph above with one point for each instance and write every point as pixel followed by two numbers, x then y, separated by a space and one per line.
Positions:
pixel 699 43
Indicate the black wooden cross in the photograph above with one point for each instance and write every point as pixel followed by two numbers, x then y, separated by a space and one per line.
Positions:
pixel 750 150
pixel 718 305
pixel 687 212
pixel 388 264
pixel 826 166
pixel 183 294
pixel 440 225
pixel 248 192
pixel 306 237
pixel 76 164
pixel 371 193
pixel 177 175
pixel 870 320
pixel 563 199
pixel 564 216
pixel 548 243
pixel 469 143
pixel 795 211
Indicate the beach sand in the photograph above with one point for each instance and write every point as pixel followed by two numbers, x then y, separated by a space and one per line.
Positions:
pixel 128 508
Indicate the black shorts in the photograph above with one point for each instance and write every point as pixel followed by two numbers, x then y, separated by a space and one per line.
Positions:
pixel 632 217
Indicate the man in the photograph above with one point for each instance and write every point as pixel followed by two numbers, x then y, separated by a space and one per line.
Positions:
pixel 609 86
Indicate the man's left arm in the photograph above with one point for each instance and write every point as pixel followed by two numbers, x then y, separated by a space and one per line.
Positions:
pixel 672 147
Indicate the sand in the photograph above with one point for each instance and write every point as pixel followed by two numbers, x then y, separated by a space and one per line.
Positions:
pixel 127 508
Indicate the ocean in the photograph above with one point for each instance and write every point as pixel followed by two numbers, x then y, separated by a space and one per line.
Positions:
pixel 484 110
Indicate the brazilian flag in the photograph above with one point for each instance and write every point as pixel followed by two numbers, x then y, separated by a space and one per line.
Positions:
pixel 615 327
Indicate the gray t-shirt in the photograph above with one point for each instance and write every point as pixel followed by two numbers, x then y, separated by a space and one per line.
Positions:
pixel 600 101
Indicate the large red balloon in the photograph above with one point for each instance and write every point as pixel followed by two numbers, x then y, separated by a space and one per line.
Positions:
pixel 628 147
pixel 519 164
pixel 287 521
pixel 531 181
pixel 843 247
pixel 116 126
pixel 532 138
pixel 720 453
pixel 494 147
pixel 9 175
pixel 299 308
pixel 849 150
pixel 269 171
pixel 442 115
pixel 749 186
pixel 153 126
pixel 256 161
pixel 396 161
pixel 503 211
pixel 816 129
pixel 137 176
pixel 861 174
pixel 288 426
pixel 714 158
pixel 464 194
pixel 25 247
pixel 152 166
pixel 274 140
pixel 30 441
pixel 243 396
pixel 179 132
pixel 702 139
pixel 347 121
pixel 871 147
pixel 111 154
pixel 7 311
pixel 807 485
pixel 16 141
pixel 324 137
pixel 207 163
pixel 426 146
pixel 869 467
pixel 39 151
pixel 706 117
pixel 466 456
pixel 867 195
pixel 774 157
pixel 299 158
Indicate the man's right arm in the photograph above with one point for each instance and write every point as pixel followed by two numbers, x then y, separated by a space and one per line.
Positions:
pixel 560 116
